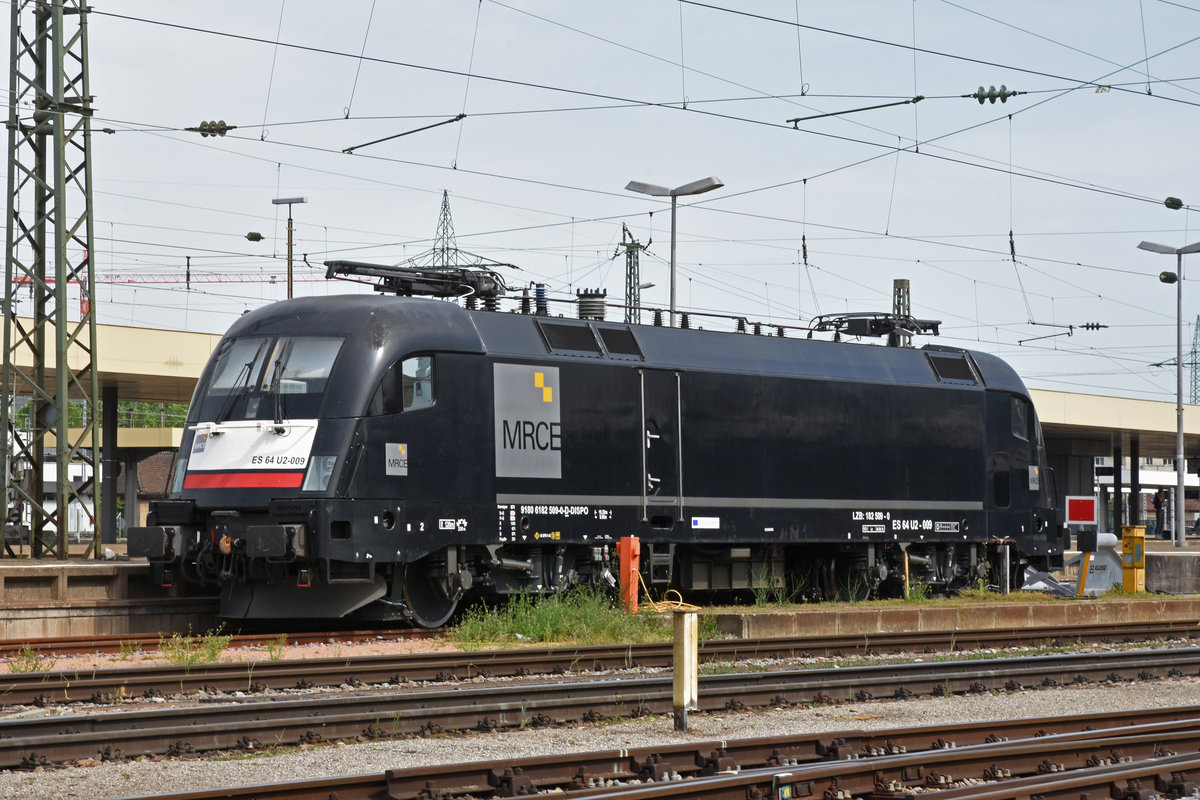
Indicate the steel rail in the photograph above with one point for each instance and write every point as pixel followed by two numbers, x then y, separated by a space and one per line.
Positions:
pixel 865 643
pixel 930 772
pixel 33 741
pixel 804 782
pixel 1170 776
pixel 110 685
pixel 803 764
pixel 144 642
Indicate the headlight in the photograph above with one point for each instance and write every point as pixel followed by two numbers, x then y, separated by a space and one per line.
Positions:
pixel 320 470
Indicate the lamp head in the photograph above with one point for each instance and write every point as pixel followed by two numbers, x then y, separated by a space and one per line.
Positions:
pixel 1168 277
pixel 698 187
pixel 652 189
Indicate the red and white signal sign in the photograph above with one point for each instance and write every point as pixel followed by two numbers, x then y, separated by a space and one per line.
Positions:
pixel 1081 510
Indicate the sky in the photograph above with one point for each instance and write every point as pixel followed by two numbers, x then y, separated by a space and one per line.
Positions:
pixel 1016 223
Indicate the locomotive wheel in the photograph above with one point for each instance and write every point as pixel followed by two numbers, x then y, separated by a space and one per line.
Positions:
pixel 426 597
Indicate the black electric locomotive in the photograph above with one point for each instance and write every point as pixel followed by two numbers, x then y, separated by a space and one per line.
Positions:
pixel 389 457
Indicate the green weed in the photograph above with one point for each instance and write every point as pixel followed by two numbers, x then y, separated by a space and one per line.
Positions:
pixel 29 660
pixel 918 592
pixel 773 590
pixel 276 649
pixel 185 650
pixel 580 616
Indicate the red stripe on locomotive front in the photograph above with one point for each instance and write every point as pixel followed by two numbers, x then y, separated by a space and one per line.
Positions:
pixel 243 480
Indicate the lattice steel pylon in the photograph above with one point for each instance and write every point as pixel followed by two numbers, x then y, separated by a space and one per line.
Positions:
pixel 633 279
pixel 1193 359
pixel 49 357
pixel 902 306
pixel 445 248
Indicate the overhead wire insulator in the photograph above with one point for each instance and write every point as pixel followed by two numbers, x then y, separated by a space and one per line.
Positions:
pixel 1091 326
pixel 213 128
pixel 992 94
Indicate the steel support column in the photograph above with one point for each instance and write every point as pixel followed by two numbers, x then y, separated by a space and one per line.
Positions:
pixel 1135 482
pixel 108 482
pixel 50 222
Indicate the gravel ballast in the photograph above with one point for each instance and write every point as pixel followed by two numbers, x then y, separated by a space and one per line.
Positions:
pixel 149 777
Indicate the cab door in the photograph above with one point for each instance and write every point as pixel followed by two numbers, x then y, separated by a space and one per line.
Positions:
pixel 662 448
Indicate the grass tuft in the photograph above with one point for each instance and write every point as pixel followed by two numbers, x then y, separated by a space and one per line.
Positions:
pixel 278 648
pixel 29 660
pixel 185 650
pixel 580 616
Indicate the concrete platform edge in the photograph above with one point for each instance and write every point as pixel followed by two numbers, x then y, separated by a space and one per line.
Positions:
pixel 868 619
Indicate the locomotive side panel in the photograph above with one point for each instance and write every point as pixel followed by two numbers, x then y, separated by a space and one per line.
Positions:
pixel 831 440
pixel 567 450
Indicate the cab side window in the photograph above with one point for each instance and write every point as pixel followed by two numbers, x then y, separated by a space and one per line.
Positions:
pixel 1022 418
pixel 407 385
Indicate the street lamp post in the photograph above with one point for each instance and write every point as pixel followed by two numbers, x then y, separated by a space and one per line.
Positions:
pixel 288 201
pixel 695 187
pixel 1177 279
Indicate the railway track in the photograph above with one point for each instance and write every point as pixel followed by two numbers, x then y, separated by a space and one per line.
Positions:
pixel 865 643
pixel 30 742
pixel 149 642
pixel 123 683
pixel 1001 759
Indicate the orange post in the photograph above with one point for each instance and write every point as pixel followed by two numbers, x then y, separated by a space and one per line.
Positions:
pixel 629 553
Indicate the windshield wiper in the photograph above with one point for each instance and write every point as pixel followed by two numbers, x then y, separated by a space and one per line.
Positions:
pixel 278 395
pixel 238 390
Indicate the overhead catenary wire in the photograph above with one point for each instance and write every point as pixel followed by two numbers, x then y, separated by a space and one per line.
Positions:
pixel 968 59
pixel 271 73
pixel 358 66
pixel 887 228
pixel 1072 48
pixel 467 83
pixel 651 104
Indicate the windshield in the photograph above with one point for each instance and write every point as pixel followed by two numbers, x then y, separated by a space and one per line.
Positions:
pixel 268 378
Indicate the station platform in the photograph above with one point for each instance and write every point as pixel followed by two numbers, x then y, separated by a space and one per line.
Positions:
pixel 1170 570
pixel 84 597
pixel 866 618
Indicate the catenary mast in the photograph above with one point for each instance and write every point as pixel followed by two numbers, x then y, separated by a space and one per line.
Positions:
pixel 49 355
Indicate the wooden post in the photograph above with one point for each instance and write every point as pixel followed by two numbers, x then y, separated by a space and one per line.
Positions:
pixel 686 667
